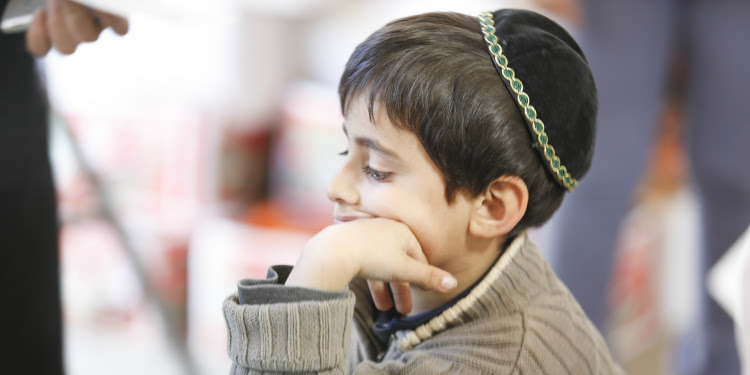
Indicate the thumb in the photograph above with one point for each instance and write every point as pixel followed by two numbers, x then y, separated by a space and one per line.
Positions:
pixel 426 276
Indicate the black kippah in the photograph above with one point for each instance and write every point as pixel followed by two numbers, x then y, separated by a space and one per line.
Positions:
pixel 547 74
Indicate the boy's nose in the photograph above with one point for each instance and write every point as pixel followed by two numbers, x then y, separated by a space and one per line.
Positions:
pixel 342 188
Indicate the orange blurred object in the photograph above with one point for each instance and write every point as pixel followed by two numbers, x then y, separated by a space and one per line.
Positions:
pixel 273 215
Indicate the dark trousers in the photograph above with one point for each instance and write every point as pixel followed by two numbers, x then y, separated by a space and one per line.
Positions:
pixel 30 313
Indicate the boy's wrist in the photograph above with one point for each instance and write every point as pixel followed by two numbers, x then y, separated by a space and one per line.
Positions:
pixel 323 264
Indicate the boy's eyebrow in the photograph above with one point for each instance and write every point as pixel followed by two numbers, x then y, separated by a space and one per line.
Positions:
pixel 372 144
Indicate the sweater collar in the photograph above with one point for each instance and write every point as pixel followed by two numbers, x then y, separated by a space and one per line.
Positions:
pixel 509 284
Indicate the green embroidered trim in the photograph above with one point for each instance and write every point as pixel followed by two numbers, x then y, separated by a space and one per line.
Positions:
pixel 487 25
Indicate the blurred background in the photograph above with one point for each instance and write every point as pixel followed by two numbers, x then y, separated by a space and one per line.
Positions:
pixel 195 150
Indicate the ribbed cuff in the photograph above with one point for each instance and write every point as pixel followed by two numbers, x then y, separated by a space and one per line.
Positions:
pixel 272 289
pixel 276 332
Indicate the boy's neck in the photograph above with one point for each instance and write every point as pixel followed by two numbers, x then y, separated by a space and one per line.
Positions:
pixel 469 267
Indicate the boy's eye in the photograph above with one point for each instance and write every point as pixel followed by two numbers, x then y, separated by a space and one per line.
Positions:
pixel 375 174
pixel 344 153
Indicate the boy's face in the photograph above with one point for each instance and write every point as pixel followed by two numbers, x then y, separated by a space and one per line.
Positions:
pixel 387 173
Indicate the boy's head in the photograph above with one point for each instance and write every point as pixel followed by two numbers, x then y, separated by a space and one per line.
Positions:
pixel 434 77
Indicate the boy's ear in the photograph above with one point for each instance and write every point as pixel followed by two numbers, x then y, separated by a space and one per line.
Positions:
pixel 500 207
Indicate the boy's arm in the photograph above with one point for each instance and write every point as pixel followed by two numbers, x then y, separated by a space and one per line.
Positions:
pixel 273 328
pixel 279 325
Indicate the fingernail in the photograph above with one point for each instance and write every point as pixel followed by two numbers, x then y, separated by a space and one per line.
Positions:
pixel 449 282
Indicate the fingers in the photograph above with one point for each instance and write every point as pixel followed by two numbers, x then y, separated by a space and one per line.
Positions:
pixel 427 276
pixel 415 269
pixel 401 296
pixel 62 40
pixel 399 257
pixel 118 24
pixel 380 295
pixel 37 38
pixel 81 23
pixel 65 24
pixel 408 270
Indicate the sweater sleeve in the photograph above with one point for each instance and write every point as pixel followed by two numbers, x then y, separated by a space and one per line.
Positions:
pixel 274 329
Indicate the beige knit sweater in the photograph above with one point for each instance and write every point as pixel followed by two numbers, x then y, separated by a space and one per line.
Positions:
pixel 520 319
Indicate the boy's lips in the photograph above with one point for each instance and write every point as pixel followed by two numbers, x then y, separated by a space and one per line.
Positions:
pixel 344 218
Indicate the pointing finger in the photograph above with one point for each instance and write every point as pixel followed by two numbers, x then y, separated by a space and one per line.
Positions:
pixel 118 24
pixel 426 276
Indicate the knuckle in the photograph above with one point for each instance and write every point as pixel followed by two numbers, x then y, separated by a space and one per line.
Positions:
pixel 88 35
pixel 82 28
pixel 434 277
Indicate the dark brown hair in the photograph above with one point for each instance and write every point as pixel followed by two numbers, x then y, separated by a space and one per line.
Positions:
pixel 433 76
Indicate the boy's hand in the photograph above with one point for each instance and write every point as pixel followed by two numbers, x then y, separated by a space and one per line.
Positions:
pixel 379 250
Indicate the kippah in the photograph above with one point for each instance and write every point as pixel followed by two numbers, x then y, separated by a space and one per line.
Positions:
pixel 550 80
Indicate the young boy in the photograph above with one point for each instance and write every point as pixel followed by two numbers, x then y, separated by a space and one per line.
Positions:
pixel 448 163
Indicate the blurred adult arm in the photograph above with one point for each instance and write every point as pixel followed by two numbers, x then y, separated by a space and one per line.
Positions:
pixel 64 24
